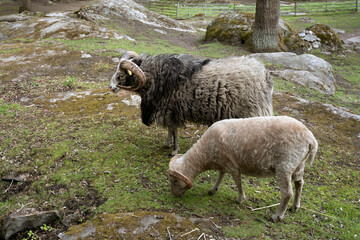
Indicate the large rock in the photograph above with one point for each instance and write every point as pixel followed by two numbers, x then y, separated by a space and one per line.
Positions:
pixel 131 10
pixel 20 222
pixel 54 25
pixel 231 27
pixel 353 43
pixel 305 69
pixel 237 28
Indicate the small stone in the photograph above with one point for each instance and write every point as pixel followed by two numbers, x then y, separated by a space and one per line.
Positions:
pixel 71 219
pixel 24 99
pixel 316 45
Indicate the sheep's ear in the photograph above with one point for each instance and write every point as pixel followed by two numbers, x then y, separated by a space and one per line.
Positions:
pixel 173 159
pixel 181 177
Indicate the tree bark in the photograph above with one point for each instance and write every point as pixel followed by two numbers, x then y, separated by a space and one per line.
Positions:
pixel 26 6
pixel 265 35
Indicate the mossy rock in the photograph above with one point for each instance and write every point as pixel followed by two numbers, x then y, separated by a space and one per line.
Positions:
pixel 231 27
pixel 328 36
pixel 237 28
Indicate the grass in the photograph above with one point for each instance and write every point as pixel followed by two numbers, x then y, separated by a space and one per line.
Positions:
pixel 159 46
pixel 186 10
pixel 80 157
pixel 349 21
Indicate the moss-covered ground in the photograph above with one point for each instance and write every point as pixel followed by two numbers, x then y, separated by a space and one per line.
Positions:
pixel 79 156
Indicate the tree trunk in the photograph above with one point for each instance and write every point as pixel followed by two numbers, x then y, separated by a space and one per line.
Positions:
pixel 265 35
pixel 26 6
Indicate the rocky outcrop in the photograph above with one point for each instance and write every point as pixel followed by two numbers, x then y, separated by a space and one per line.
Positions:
pixel 328 37
pixel 131 10
pixel 62 25
pixel 305 69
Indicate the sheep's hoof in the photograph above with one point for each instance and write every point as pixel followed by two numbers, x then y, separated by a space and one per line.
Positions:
pixel 276 218
pixel 174 153
pixel 166 146
pixel 294 208
pixel 212 191
pixel 240 200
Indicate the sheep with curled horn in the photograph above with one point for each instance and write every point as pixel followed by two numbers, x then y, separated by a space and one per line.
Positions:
pixel 175 89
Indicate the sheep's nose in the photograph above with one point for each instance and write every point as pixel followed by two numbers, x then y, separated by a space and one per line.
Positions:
pixel 114 89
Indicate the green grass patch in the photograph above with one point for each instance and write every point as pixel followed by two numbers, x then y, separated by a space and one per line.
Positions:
pixel 349 21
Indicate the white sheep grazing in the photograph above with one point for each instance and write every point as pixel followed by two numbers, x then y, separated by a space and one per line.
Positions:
pixel 259 146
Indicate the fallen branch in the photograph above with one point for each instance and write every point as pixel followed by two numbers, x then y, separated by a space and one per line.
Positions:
pixel 255 209
pixel 196 229
pixel 168 230
pixel 202 235
pixel 217 226
pixel 195 214
pixel 8 187
pixel 23 207
pixel 318 212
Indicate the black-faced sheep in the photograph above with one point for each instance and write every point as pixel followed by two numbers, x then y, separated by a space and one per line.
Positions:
pixel 179 88
pixel 259 146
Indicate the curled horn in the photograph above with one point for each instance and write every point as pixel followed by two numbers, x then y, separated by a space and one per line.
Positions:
pixel 130 66
pixel 129 55
pixel 180 176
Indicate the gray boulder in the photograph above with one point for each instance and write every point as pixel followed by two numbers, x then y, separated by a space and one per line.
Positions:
pixel 353 43
pixel 305 69
pixel 20 222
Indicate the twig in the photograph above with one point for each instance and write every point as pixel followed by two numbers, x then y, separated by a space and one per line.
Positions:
pixel 217 226
pixel 255 209
pixel 202 235
pixel 318 212
pixel 195 214
pixel 196 229
pixel 23 207
pixel 168 230
pixel 8 187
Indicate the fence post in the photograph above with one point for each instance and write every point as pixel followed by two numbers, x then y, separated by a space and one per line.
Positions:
pixel 357 5
pixel 177 9
pixel 205 7
pixel 295 8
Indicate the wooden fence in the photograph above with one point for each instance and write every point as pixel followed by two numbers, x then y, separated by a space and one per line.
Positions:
pixel 181 9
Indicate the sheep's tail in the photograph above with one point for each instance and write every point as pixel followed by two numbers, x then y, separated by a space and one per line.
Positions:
pixel 313 147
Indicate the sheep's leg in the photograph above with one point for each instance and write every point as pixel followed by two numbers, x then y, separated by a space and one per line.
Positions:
pixel 169 138
pixel 286 195
pixel 298 189
pixel 217 183
pixel 237 179
pixel 176 142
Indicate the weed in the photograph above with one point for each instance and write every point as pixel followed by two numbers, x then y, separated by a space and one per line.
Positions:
pixel 46 228
pixel 69 82
pixel 31 236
